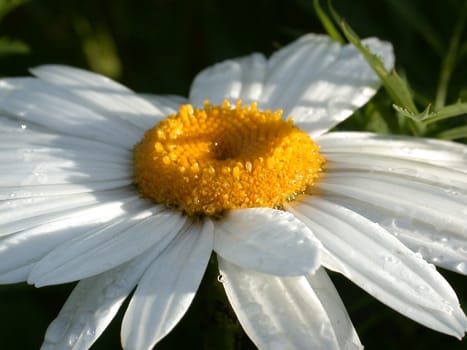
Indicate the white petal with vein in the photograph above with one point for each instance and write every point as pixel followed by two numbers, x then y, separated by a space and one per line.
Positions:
pixel 267 240
pixel 167 288
pixel 38 102
pixel 93 304
pixel 240 78
pixel 101 250
pixel 438 152
pixel 288 312
pixel 319 82
pixel 25 248
pixel 375 260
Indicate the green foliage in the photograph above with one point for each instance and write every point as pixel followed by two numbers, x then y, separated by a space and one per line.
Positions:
pixel 398 89
pixel 8 5
pixel 11 46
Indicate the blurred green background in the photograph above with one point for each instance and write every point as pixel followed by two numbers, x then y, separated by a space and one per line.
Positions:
pixel 159 46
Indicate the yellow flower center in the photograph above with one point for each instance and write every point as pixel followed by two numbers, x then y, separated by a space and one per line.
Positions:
pixel 206 161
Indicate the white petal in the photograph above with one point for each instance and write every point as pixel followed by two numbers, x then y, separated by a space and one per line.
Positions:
pixel 288 312
pixel 240 78
pixel 28 246
pixel 31 161
pixel 12 192
pixel 376 261
pixel 442 247
pixel 267 240
pixel 67 77
pixel 103 95
pixel 24 213
pixel 93 304
pixel 442 208
pixel 98 251
pixel 444 153
pixel 31 173
pixel 421 202
pixel 37 102
pixel 319 82
pixel 32 142
pixel 341 324
pixel 167 288
pixel 17 275
pixel 420 171
pixel 296 66
pixel 21 153
pixel 168 104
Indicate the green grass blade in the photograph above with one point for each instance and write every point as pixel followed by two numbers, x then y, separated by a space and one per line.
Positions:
pixel 395 86
pixel 327 23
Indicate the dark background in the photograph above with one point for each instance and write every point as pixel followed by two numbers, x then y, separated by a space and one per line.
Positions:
pixel 158 47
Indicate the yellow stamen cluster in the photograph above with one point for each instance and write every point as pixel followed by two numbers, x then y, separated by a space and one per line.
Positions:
pixel 206 161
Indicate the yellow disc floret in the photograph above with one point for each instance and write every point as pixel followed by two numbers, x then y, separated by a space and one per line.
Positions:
pixel 207 161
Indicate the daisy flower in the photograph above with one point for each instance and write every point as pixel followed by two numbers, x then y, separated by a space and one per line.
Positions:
pixel 129 194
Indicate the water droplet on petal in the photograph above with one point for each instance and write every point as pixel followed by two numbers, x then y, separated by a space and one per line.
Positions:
pixel 72 339
pixel 90 332
pixel 422 288
pixel 447 307
pixel 451 191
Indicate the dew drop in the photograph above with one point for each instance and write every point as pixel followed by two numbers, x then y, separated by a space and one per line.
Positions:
pixel 90 332
pixel 451 191
pixel 390 259
pixel 72 339
pixel 447 307
pixel 422 288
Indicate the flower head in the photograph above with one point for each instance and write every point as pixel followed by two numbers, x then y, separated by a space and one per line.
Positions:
pixel 123 191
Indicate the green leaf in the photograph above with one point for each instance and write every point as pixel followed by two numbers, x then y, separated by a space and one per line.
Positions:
pixel 418 117
pixel 428 117
pixel 454 133
pixel 327 23
pixel 11 46
pixel 8 5
pixel 99 48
